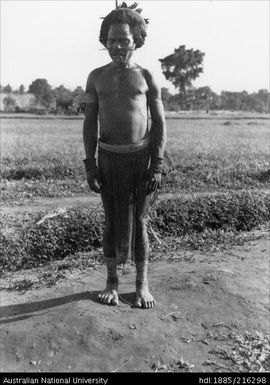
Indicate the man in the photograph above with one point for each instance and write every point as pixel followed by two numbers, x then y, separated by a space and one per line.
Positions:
pixel 130 154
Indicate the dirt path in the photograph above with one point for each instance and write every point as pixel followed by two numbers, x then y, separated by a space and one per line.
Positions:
pixel 46 204
pixel 201 301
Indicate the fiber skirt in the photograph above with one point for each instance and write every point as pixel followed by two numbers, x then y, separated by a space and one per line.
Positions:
pixel 124 198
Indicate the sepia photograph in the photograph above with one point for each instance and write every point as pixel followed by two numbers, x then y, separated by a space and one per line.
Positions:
pixel 135 200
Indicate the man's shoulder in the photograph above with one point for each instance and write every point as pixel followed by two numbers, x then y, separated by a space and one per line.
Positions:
pixel 149 76
pixel 144 71
pixel 94 74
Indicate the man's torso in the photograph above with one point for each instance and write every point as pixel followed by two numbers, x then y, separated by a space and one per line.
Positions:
pixel 122 103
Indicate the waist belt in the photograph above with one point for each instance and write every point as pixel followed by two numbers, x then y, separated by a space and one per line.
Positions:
pixel 125 148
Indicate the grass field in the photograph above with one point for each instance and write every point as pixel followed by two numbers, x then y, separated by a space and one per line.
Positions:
pixel 213 304
pixel 43 158
pixel 222 167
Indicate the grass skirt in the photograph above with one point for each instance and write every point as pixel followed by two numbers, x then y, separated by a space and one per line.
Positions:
pixel 124 199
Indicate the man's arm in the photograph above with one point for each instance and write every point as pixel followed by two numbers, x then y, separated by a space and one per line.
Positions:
pixel 90 133
pixel 158 131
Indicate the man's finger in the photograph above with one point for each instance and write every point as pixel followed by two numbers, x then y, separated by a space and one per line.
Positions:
pixel 146 186
pixel 98 179
pixel 94 187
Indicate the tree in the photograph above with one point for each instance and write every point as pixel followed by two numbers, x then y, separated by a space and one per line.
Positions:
pixel 43 92
pixel 21 89
pixel 166 96
pixel 264 97
pixel 78 100
pixel 234 101
pixel 182 67
pixel 63 98
pixel 9 104
pixel 205 98
pixel 7 89
pixel 259 101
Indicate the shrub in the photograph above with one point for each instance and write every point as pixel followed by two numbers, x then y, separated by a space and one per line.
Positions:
pixel 239 211
pixel 27 243
pixel 31 240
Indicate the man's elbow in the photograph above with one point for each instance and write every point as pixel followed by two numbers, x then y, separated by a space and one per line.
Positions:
pixel 89 122
pixel 160 122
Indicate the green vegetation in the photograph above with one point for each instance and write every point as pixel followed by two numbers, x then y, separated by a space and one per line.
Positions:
pixel 219 188
pixel 229 212
pixel 30 240
pixel 43 158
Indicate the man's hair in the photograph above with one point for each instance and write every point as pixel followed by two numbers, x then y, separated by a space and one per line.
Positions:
pixel 124 16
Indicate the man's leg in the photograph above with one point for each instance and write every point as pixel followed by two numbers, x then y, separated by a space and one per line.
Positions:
pixel 143 298
pixel 110 295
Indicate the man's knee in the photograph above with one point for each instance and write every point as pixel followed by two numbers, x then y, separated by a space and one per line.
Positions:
pixel 108 234
pixel 141 229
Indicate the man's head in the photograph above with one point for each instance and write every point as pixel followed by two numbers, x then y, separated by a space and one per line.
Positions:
pixel 120 44
pixel 127 16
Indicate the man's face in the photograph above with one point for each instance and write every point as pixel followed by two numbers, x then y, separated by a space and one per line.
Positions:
pixel 120 43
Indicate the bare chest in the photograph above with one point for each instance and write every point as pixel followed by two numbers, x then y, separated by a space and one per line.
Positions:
pixel 122 84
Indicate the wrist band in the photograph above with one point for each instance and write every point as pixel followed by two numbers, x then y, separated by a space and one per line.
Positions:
pixel 89 164
pixel 156 165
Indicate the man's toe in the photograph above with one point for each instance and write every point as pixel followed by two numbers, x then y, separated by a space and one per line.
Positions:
pixel 144 304
pixel 114 301
pixel 100 297
pixel 138 302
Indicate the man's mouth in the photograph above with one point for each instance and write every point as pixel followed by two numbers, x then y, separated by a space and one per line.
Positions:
pixel 117 54
pixel 118 57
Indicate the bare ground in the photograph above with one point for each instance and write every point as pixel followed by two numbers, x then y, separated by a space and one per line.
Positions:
pixel 203 303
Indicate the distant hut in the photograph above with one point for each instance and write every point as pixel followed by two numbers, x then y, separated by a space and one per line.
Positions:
pixel 10 102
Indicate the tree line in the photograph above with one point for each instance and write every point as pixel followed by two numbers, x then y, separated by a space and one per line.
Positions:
pixel 181 68
pixel 204 99
pixel 59 100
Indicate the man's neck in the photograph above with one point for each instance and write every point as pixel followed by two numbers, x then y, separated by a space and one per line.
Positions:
pixel 127 65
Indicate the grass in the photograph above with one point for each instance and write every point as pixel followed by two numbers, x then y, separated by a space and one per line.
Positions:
pixel 227 157
pixel 209 154
pixel 248 353
pixel 225 161
pixel 43 158
pixel 31 240
pixel 240 211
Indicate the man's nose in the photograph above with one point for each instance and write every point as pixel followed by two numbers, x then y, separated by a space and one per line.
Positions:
pixel 117 44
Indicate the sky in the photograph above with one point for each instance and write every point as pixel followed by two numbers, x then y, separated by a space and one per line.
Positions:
pixel 58 40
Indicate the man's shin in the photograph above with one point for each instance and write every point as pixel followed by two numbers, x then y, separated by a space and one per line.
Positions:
pixel 141 276
pixel 111 265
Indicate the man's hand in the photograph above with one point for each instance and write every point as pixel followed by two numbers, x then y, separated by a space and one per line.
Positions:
pixel 93 180
pixel 153 182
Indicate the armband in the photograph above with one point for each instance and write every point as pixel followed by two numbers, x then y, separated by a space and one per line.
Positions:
pixel 90 164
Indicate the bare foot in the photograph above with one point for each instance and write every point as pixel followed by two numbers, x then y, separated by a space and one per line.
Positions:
pixel 144 299
pixel 110 295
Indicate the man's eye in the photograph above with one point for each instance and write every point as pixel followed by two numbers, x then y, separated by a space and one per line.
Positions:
pixel 122 42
